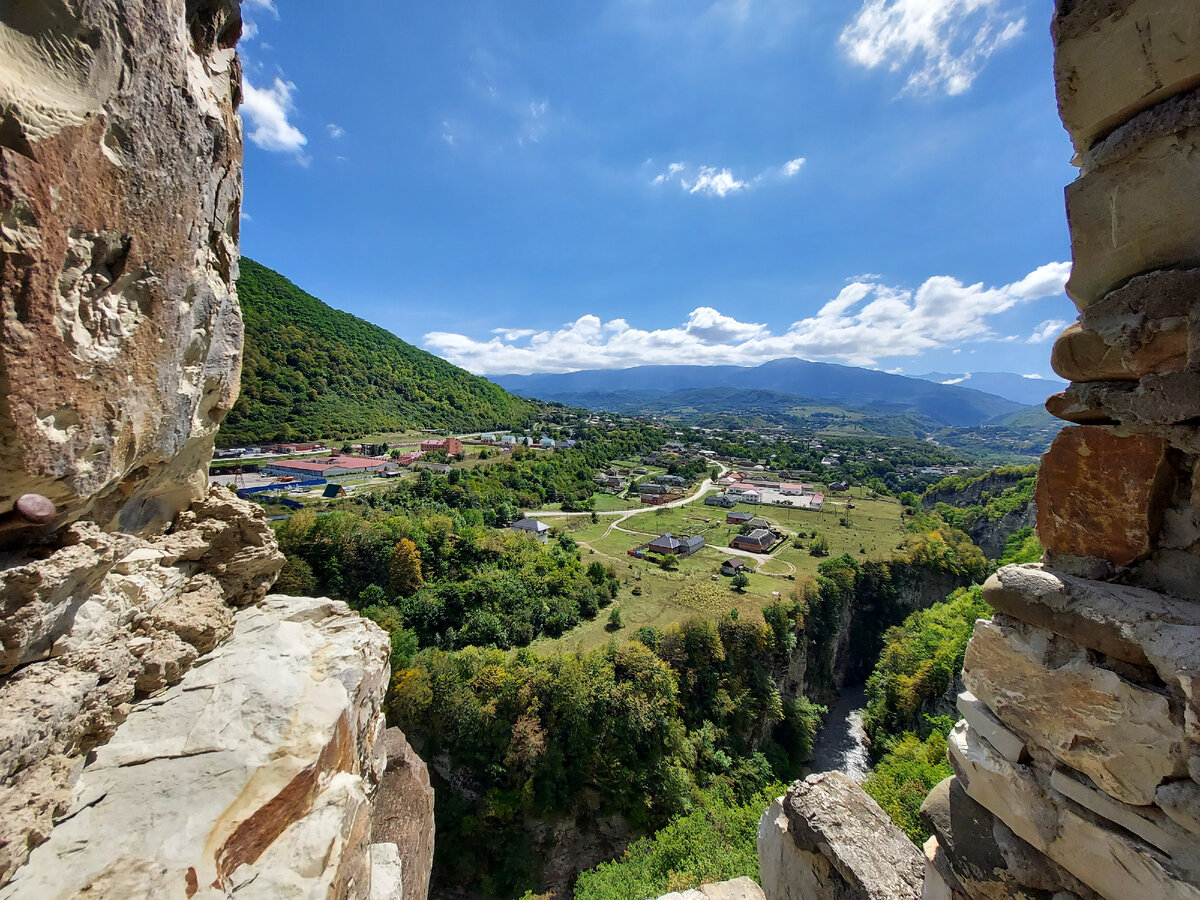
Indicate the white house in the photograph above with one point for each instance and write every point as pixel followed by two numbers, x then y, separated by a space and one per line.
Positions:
pixel 539 530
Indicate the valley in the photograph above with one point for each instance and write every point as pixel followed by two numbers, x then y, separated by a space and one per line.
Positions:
pixel 719 572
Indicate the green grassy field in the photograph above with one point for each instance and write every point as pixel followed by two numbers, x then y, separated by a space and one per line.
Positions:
pixel 873 526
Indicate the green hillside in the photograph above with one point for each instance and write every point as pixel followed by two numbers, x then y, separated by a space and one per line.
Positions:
pixel 311 371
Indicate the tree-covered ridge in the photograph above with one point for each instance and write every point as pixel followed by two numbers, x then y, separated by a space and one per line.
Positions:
pixel 311 371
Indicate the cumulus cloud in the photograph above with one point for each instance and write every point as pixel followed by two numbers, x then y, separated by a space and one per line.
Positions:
pixel 942 44
pixel 268 109
pixel 335 131
pixel 720 182
pixel 1051 328
pixel 959 380
pixel 1034 377
pixel 716 184
pixel 865 322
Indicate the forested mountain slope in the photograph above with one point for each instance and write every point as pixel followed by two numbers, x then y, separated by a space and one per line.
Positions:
pixel 311 371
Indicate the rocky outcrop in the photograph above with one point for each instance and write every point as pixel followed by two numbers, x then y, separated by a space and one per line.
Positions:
pixel 403 813
pixel 250 775
pixel 1077 761
pixel 826 839
pixel 168 732
pixel 120 190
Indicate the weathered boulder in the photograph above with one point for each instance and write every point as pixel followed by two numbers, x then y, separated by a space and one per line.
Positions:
pixel 403 813
pixel 120 189
pixel 1117 57
pixel 1101 495
pixel 1127 738
pixel 826 838
pixel 251 774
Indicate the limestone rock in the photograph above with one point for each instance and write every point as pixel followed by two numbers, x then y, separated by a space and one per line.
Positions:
pixel 1101 495
pixel 1080 355
pixel 1147 822
pixel 1116 58
pixel 1134 216
pixel 1126 738
pixel 737 889
pixel 120 189
pixel 403 813
pixel 387 873
pixel 828 839
pixel 983 723
pixel 1130 624
pixel 1181 801
pixel 252 773
pixel 1159 405
pixel 39 598
pixel 232 540
pixel 1107 859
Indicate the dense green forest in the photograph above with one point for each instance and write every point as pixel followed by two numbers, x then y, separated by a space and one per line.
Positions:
pixel 716 841
pixel 310 371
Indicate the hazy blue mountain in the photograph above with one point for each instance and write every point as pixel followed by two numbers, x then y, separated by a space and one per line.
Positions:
pixel 863 389
pixel 1018 388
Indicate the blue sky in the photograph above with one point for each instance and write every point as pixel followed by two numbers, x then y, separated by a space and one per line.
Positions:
pixel 527 186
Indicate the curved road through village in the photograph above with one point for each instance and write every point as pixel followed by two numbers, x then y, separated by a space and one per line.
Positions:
pixel 620 515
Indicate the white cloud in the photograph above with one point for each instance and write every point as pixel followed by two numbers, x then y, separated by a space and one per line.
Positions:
pixel 268 109
pixel 268 5
pixel 867 321
pixel 709 325
pixel 249 29
pixel 942 44
pixel 335 131
pixel 793 166
pixel 514 334
pixel 1046 330
pixel 716 184
pixel 720 182
pixel 959 380
pixel 1034 377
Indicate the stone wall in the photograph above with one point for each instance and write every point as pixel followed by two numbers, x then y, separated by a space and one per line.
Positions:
pixel 168 729
pixel 1078 756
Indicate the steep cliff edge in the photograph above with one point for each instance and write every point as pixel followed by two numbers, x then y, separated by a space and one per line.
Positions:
pixel 169 730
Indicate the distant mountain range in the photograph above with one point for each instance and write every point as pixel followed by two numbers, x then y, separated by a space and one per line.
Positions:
pixel 1019 388
pixel 311 371
pixel 782 386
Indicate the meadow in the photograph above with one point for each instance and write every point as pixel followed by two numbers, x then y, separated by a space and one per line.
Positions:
pixel 873 530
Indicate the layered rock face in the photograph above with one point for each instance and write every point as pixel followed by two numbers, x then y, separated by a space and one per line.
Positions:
pixel 169 731
pixel 1077 759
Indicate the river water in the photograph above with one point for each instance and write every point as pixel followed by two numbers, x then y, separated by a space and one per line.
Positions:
pixel 842 744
